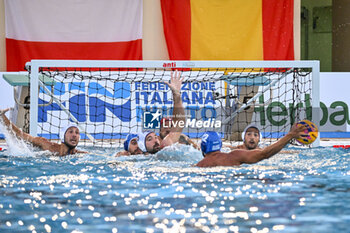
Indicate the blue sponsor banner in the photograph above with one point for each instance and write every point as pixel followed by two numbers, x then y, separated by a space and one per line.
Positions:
pixel 122 105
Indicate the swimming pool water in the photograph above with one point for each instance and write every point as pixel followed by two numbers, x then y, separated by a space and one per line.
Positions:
pixel 306 190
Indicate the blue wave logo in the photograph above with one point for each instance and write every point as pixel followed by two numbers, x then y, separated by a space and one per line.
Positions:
pixel 90 100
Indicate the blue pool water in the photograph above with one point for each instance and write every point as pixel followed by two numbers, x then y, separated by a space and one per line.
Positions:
pixel 305 190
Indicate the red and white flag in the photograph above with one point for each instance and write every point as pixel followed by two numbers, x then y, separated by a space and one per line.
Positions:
pixel 72 29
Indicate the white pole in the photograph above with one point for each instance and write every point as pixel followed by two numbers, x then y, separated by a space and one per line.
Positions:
pixel 316 111
pixel 34 91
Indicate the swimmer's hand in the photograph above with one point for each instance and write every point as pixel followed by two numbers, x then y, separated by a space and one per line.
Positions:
pixel 297 131
pixel 175 82
pixel 122 153
pixel 3 111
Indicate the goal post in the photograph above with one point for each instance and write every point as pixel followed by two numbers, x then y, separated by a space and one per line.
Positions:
pixel 269 94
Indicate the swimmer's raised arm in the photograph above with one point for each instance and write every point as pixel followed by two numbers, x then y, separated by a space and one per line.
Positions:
pixel 254 156
pixel 13 128
pixel 175 85
pixel 70 138
pixel 178 109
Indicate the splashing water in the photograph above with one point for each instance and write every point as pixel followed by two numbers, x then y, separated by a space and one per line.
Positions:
pixel 176 155
pixel 16 147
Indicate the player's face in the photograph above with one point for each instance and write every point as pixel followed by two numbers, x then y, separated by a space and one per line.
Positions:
pixel 163 132
pixel 72 136
pixel 134 147
pixel 252 138
pixel 152 143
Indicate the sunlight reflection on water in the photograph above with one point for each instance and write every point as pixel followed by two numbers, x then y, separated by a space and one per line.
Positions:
pixel 304 190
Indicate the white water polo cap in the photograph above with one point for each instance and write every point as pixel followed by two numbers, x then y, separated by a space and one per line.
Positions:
pixel 248 127
pixel 142 140
pixel 64 130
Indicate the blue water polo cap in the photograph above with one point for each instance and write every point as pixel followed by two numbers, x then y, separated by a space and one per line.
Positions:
pixel 128 139
pixel 211 141
pixel 142 140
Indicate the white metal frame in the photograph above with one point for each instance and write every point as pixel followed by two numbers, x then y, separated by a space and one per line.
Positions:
pixel 252 100
pixel 36 64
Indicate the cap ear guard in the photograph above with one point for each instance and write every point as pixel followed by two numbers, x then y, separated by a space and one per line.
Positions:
pixel 211 142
